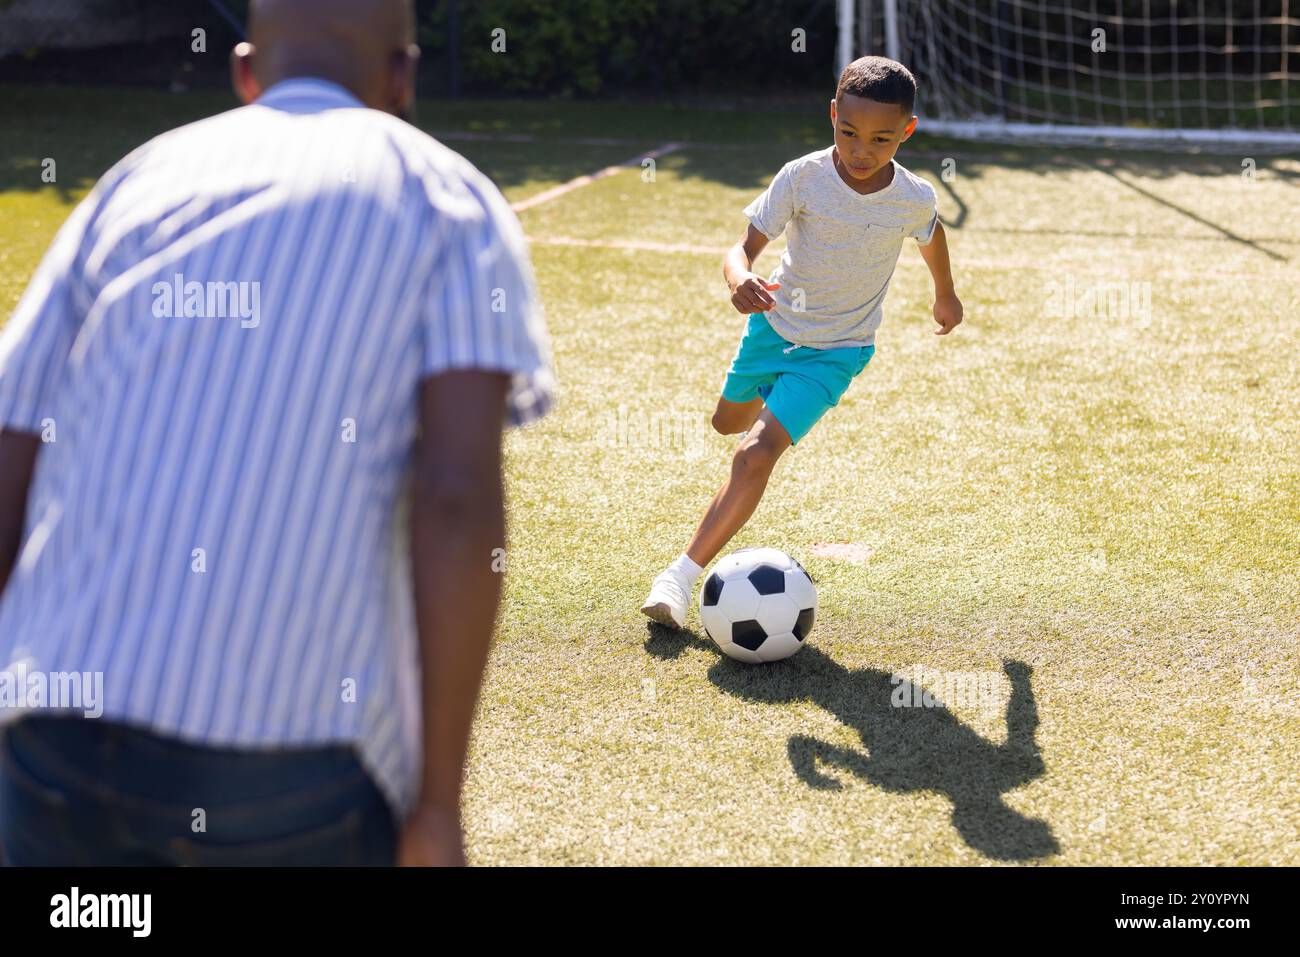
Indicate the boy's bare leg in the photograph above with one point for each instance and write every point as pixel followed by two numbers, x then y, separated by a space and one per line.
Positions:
pixel 730 418
pixel 670 594
pixel 735 502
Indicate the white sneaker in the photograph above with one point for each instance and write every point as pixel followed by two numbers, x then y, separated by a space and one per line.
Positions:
pixel 668 598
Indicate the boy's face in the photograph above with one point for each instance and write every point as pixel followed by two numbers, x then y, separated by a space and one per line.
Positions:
pixel 867 133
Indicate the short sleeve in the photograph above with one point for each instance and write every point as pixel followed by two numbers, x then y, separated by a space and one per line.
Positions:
pixel 37 340
pixel 481 309
pixel 772 210
pixel 927 218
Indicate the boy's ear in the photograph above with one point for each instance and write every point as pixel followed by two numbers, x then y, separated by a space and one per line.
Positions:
pixel 833 111
pixel 909 129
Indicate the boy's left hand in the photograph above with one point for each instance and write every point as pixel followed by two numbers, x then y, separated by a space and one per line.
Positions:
pixel 947 312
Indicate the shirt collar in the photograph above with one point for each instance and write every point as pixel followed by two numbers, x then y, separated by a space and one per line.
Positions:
pixel 307 94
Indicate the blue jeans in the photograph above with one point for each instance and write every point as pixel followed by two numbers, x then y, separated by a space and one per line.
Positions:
pixel 76 791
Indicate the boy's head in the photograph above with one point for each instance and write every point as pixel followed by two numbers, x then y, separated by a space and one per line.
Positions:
pixel 872 113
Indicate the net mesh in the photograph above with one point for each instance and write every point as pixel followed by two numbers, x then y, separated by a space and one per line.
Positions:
pixel 1153 65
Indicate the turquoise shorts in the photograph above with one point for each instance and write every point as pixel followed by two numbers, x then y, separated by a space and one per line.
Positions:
pixel 798 383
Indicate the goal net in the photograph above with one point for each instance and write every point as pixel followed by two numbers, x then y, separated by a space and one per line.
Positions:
pixel 1151 72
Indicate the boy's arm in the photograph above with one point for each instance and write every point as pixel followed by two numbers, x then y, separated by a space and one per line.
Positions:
pixel 947 307
pixel 749 291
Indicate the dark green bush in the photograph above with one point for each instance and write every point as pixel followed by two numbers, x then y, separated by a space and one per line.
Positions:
pixel 586 47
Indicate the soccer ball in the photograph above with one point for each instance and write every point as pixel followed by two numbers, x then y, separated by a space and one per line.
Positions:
pixel 758 604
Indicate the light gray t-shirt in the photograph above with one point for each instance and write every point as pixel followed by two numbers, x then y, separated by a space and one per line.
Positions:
pixel 841 249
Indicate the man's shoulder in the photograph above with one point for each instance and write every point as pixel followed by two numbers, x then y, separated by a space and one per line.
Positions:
pixel 423 152
pixel 445 176
pixel 183 141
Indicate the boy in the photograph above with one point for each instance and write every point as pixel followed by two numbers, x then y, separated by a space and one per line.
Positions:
pixel 812 327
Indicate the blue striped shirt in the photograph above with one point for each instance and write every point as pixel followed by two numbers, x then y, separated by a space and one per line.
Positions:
pixel 222 350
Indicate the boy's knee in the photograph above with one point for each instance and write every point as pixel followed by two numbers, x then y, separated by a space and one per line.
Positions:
pixel 756 456
pixel 732 421
pixel 730 418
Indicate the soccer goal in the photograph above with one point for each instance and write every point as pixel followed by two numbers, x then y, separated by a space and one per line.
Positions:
pixel 1202 73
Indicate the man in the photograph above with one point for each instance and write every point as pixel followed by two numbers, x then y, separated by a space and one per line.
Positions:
pixel 210 396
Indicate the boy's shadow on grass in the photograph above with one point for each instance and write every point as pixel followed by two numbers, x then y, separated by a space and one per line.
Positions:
pixel 907 749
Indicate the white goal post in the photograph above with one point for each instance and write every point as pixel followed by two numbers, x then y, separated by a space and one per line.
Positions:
pixel 1190 73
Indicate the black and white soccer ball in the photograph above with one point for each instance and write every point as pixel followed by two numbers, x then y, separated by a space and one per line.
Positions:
pixel 758 604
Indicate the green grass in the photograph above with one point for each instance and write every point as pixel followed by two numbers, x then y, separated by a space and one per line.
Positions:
pixel 1113 502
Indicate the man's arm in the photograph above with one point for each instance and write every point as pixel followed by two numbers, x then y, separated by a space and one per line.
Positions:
pixel 948 309
pixel 17 462
pixel 749 291
pixel 457 520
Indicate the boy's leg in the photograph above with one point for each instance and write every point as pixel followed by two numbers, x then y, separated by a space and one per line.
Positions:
pixel 735 502
pixel 751 402
pixel 732 417
pixel 670 595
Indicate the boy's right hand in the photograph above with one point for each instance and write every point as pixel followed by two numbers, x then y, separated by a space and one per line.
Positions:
pixel 752 294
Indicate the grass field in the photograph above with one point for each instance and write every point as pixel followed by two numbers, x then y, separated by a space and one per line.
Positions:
pixel 1101 506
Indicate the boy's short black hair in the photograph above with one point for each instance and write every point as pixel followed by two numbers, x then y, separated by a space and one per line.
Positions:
pixel 880 79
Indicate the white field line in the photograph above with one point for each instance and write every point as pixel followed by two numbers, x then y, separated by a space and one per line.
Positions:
pixel 1018 153
pixel 633 245
pixel 470 136
pixel 667 148
pixel 530 138
pixel 549 194
pixel 641 245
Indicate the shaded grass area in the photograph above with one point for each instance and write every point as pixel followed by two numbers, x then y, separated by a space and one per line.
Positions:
pixel 1096 504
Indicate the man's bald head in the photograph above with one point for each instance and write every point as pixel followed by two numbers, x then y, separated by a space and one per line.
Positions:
pixel 367 46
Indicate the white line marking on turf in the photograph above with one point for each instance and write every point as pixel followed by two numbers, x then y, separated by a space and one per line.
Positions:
pixel 549 194
pixel 480 137
pixel 642 245
pixel 530 138
pixel 634 245
pixel 993 154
